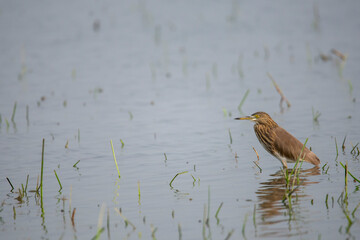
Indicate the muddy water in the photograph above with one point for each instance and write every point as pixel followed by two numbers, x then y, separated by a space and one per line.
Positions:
pixel 167 79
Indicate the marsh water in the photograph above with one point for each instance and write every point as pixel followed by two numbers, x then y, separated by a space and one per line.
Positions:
pixel 163 80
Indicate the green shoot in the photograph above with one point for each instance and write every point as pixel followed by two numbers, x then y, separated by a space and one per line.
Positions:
pixel 258 166
pixel 326 201
pixel 349 173
pixel 316 114
pixel 231 140
pixel 239 67
pixel 42 168
pixel 175 177
pixel 58 180
pixel 27 181
pixel 350 86
pixel 127 222
pixel 244 225
pixel 337 151
pixel 179 230
pixel 139 190
pixel 343 144
pixel 225 112
pixel 346 180
pixel 153 231
pixel 131 115
pixel 100 229
pixel 230 234
pixel 13 113
pixel 217 212
pixel 98 233
pixel 243 100
pixel 27 116
pixel 12 187
pixel 290 189
pixel 76 164
pixel 7 124
pixel 117 167
pixel 353 149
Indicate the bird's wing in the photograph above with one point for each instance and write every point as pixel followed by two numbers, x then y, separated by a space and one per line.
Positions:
pixel 287 145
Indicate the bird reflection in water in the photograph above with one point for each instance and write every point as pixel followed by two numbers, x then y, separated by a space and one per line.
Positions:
pixel 270 197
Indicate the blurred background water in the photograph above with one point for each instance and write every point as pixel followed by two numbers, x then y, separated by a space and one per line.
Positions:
pixel 167 79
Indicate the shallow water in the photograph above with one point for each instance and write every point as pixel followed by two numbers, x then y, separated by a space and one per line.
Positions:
pixel 159 76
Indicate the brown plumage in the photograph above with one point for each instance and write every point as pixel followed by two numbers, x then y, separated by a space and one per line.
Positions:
pixel 277 141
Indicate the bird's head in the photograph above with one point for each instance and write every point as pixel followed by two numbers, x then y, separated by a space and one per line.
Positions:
pixel 259 118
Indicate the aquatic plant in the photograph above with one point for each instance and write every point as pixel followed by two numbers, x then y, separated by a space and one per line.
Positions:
pixel 117 167
pixel 175 177
pixel 58 180
pixel 243 100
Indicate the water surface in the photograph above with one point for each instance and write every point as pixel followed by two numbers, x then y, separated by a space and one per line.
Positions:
pixel 167 79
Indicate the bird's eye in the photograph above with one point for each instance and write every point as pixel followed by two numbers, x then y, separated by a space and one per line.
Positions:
pixel 257 116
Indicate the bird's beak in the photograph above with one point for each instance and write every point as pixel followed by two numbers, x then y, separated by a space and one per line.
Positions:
pixel 245 118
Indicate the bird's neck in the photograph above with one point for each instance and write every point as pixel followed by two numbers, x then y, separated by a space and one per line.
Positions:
pixel 269 124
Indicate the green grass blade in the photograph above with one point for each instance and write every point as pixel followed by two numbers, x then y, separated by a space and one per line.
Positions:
pixel 13 113
pixel 12 187
pixel 76 163
pixel 117 167
pixel 58 179
pixel 175 177
pixel 243 100
pixel 350 173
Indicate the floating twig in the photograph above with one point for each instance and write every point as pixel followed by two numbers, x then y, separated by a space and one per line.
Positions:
pixel 338 54
pixel 257 155
pixel 72 217
pixel 283 98
pixel 343 144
